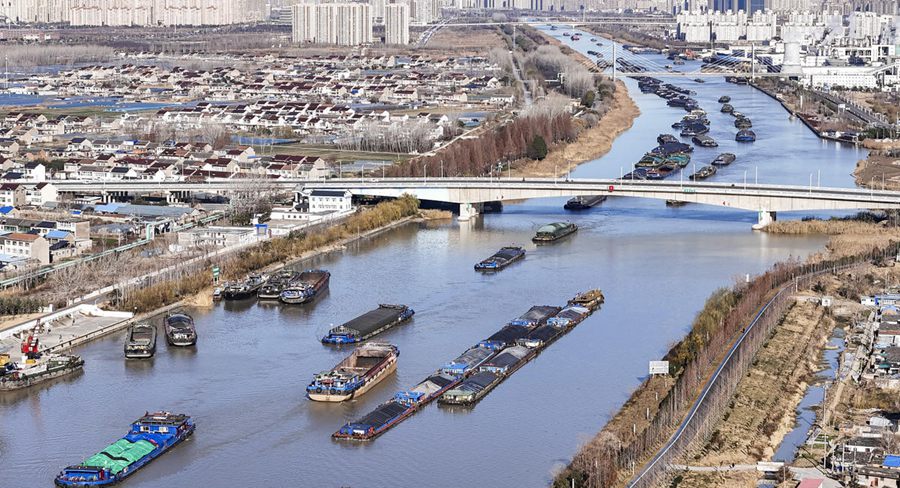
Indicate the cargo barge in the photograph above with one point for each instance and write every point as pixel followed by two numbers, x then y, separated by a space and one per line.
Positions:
pixel 355 375
pixel 703 173
pixel 306 287
pixel 554 232
pixel 501 259
pixel 244 289
pixel 276 283
pixel 16 377
pixel 745 135
pixel 150 436
pixel 584 202
pixel 723 159
pixel 369 324
pixel 479 369
pixel 140 343
pixel 180 330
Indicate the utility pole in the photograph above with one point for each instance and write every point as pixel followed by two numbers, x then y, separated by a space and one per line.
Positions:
pixel 752 62
pixel 614 62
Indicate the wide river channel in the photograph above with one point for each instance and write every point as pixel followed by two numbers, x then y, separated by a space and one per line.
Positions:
pixel 244 382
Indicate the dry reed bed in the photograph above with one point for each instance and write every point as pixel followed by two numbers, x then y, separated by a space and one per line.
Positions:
pixel 270 252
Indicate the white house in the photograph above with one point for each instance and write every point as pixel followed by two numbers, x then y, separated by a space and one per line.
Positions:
pixel 329 200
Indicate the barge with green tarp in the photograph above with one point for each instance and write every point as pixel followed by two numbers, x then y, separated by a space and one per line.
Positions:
pixel 553 232
pixel 150 436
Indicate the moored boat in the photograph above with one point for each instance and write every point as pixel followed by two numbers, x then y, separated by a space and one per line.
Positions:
pixel 15 377
pixel 470 390
pixel 140 343
pixel 703 173
pixel 724 99
pixel 358 373
pixel 501 259
pixel 704 140
pixel 149 437
pixel 272 288
pixel 584 202
pixel 244 289
pixel 723 159
pixel 555 231
pixel 727 108
pixel 743 123
pixel 745 135
pixel 368 324
pixel 180 330
pixel 306 287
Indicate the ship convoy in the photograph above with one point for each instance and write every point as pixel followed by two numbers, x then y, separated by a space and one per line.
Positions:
pixel 671 155
pixel 286 286
pixel 464 380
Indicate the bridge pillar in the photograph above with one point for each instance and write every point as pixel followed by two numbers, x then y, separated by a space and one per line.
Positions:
pixel 170 197
pixel 469 210
pixel 765 218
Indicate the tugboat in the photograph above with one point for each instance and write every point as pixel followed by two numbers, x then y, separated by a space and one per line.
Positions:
pixel 217 294
pixel 48 367
pixel 724 159
pixel 356 374
pixel 501 259
pixel 273 287
pixel 724 99
pixel 140 343
pixel 149 437
pixel 368 324
pixel 306 287
pixel 727 108
pixel 180 330
pixel 703 173
pixel 591 299
pixel 584 202
pixel 244 289
pixel 745 136
pixel 704 140
pixel 554 232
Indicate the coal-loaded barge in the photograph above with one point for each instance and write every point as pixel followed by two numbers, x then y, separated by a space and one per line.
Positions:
pixel 368 324
pixel 306 287
pixel 244 289
pixel 501 259
pixel 584 202
pixel 149 437
pixel 480 368
pixel 276 283
pixel 356 374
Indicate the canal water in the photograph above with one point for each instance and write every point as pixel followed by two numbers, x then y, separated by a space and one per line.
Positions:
pixel 244 382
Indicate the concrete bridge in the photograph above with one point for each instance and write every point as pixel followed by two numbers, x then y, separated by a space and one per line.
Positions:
pixel 766 200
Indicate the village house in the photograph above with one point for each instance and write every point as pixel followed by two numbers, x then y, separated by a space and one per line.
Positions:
pixel 28 246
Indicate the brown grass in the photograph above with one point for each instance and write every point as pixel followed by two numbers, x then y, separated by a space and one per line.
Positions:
pixel 731 479
pixel 591 143
pixel 271 252
pixel 878 171
pixel 848 237
pixel 762 409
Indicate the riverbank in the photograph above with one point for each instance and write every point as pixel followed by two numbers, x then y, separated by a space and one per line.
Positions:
pixel 763 409
pixel 847 236
pixel 591 143
pixel 880 171
pixel 196 291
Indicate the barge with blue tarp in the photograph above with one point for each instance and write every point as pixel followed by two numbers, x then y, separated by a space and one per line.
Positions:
pixel 535 316
pixel 369 324
pixel 150 436
pixel 501 259
pixel 480 368
pixel 306 287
